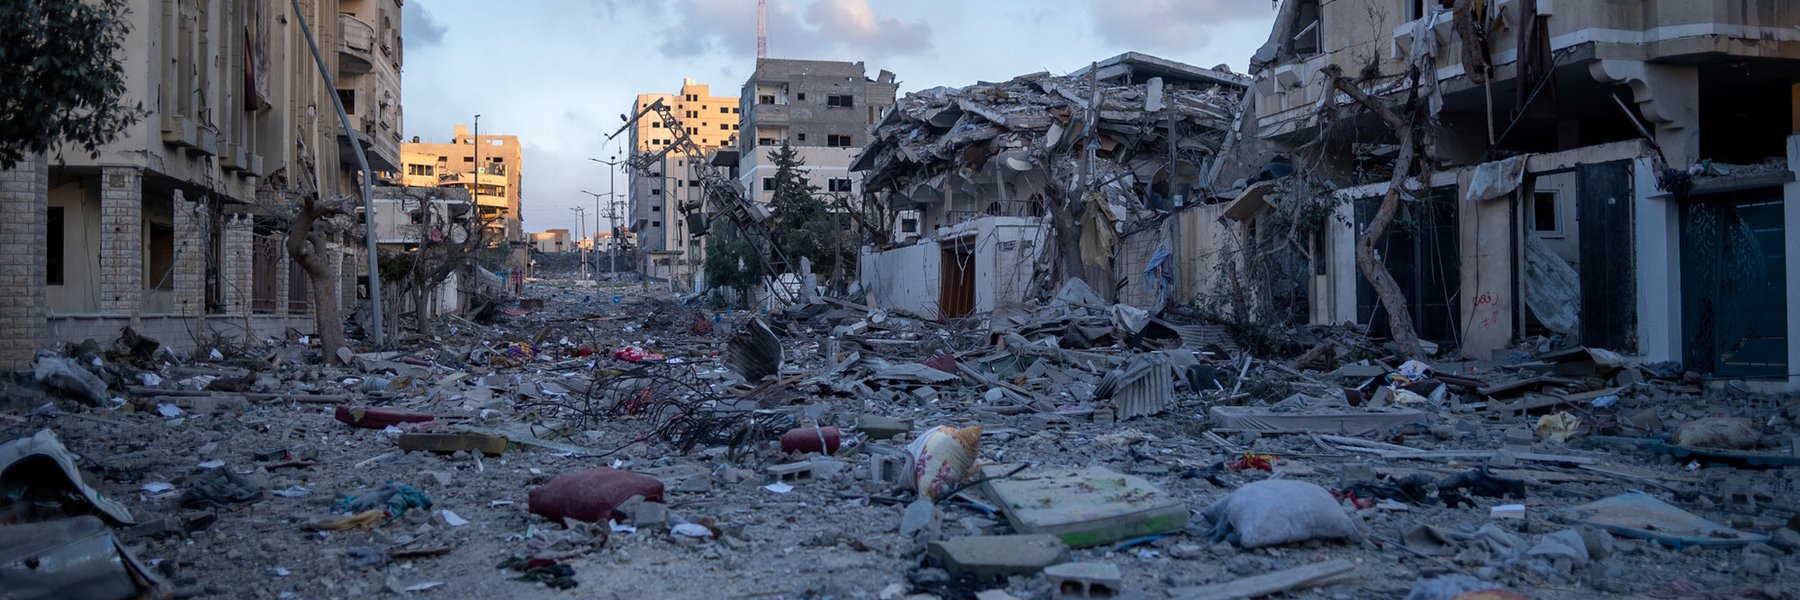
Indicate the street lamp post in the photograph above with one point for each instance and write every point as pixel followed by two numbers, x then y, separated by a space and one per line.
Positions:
pixel 611 263
pixel 580 222
pixel 612 212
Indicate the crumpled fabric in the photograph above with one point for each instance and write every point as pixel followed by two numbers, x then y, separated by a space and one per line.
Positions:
pixel 1557 428
pixel 219 488
pixel 636 354
pixel 1158 276
pixel 1494 541
pixel 548 572
pixel 393 498
pixel 1098 233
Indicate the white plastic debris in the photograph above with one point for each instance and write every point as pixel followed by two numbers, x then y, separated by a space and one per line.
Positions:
pixel 211 464
pixel 169 411
pixel 215 354
pixel 420 587
pixel 620 528
pixel 779 487
pixel 453 519
pixel 150 379
pixel 691 530
pixel 158 487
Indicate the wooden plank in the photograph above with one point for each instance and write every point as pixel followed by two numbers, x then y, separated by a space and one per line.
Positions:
pixel 1270 583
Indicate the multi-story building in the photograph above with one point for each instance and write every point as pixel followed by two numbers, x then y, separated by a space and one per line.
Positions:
pixel 175 228
pixel 824 109
pixel 667 250
pixel 1621 173
pixel 553 240
pixel 495 183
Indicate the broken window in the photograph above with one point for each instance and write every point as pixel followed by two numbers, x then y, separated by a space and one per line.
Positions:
pixel 909 225
pixel 838 141
pixel 348 97
pixel 768 184
pixel 843 100
pixel 800 137
pixel 657 208
pixel 53 251
pixel 656 191
pixel 159 261
pixel 801 96
pixel 656 223
pixel 1545 213
pixel 839 185
pixel 765 99
pixel 1303 38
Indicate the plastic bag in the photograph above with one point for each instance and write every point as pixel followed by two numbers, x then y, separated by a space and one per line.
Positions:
pixel 943 457
pixel 1278 511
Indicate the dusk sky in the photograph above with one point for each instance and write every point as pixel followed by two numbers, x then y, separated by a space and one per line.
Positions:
pixel 557 73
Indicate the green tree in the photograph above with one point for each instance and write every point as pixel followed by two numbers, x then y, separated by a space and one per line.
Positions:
pixel 63 81
pixel 802 224
pixel 731 261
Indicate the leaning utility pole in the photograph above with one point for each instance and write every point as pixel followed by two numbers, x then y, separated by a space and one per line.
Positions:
pixel 377 333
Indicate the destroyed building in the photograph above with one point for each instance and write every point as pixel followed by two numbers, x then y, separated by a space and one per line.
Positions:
pixel 1619 174
pixel 973 177
pixel 176 227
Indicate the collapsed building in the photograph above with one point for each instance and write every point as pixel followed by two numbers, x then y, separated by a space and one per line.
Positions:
pixel 1616 175
pixel 978 178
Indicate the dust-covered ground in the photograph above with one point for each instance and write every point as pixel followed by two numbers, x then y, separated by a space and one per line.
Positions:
pixel 836 534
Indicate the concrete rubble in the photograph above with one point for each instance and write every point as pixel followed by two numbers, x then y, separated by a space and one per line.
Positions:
pixel 1100 442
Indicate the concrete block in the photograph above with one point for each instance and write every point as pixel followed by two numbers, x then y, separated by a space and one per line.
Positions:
pixel 888 469
pixel 991 557
pixel 800 471
pixel 878 427
pixel 1085 580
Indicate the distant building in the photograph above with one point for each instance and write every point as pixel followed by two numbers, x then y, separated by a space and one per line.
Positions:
pixel 823 108
pixel 498 194
pixel 554 240
pixel 668 251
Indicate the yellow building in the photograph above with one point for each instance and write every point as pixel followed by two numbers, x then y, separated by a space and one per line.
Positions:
pixel 497 193
pixel 668 252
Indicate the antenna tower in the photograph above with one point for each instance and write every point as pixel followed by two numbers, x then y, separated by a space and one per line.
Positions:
pixel 762 28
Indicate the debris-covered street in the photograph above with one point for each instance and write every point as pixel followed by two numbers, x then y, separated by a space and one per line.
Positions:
pixel 922 300
pixel 1160 460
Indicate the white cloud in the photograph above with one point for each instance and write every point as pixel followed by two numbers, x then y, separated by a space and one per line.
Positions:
pixel 1170 25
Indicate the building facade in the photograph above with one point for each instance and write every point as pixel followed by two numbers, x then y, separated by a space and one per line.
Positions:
pixel 554 240
pixel 824 109
pixel 666 249
pixel 1619 174
pixel 496 184
pixel 176 227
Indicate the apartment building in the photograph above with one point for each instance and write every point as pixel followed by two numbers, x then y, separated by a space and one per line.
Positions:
pixel 553 240
pixel 825 109
pixel 667 250
pixel 490 166
pixel 175 228
pixel 1620 174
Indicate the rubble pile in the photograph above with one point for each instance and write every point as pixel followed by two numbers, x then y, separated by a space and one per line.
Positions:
pixel 611 441
pixel 1032 123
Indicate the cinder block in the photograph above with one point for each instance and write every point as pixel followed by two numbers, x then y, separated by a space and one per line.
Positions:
pixel 887 469
pixel 800 471
pixel 1085 580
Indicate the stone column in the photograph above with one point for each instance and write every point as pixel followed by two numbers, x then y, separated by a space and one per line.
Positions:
pixel 121 240
pixel 281 268
pixel 24 198
pixel 192 239
pixel 237 266
pixel 347 276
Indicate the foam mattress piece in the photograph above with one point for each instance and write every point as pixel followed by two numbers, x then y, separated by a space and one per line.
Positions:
pixel 1084 506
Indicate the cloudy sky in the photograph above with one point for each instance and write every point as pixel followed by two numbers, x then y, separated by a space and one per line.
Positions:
pixel 557 73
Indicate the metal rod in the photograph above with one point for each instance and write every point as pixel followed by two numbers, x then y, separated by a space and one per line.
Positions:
pixel 368 183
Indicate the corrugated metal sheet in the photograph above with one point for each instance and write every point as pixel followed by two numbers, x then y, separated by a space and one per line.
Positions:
pixel 1145 386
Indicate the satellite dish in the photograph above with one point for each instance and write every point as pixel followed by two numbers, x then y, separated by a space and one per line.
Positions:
pixel 459 234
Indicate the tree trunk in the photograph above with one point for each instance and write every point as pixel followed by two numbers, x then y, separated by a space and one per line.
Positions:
pixel 307 248
pixel 1373 269
pixel 1065 224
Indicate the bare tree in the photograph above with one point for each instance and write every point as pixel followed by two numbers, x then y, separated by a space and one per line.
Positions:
pixel 1404 124
pixel 307 247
